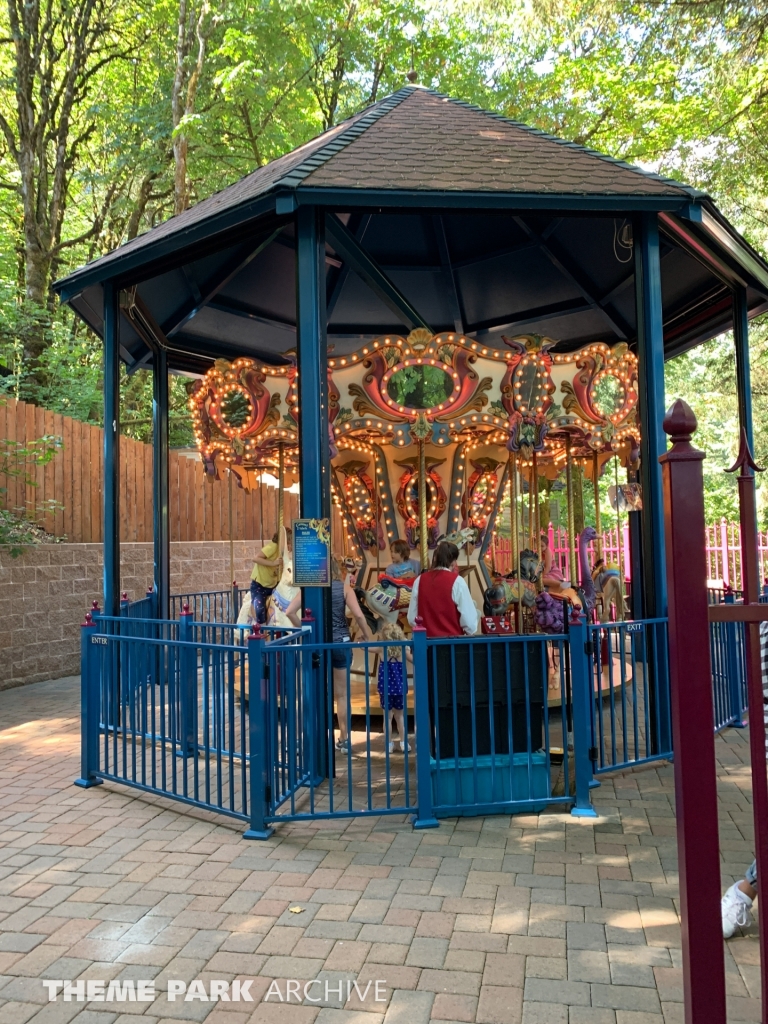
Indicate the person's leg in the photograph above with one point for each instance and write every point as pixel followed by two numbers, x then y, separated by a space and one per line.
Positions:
pixel 400 722
pixel 736 904
pixel 749 883
pixel 259 596
pixel 340 696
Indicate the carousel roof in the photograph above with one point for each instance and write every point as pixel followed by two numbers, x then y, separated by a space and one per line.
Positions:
pixel 440 215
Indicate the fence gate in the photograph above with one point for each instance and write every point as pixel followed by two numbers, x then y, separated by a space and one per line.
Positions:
pixel 628 670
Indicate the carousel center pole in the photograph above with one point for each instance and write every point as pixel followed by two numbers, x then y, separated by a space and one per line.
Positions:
pixel 596 482
pixel 231 537
pixel 281 487
pixel 531 541
pixel 377 511
pixel 422 431
pixel 261 507
pixel 512 511
pixel 619 537
pixel 572 564
pixel 465 499
pixel 536 511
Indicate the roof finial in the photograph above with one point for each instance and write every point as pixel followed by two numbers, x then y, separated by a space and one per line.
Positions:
pixel 410 31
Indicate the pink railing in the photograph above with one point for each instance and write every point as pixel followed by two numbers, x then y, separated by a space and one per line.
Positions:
pixel 558 542
pixel 723 552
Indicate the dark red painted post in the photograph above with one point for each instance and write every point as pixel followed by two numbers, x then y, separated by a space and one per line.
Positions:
pixel 750 582
pixel 693 727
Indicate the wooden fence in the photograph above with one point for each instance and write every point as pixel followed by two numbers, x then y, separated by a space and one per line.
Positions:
pixel 198 505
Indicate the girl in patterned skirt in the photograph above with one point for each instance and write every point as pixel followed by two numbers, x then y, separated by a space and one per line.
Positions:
pixel 393 682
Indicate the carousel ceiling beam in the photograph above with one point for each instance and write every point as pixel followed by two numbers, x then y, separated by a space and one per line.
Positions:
pixel 450 280
pixel 573 273
pixel 349 249
pixel 200 346
pixel 290 243
pixel 132 365
pixel 248 313
pixel 341 279
pixel 529 316
pixel 201 296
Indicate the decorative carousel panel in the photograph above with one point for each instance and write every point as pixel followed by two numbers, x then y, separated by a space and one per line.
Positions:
pixel 407 499
pixel 527 399
pixel 363 503
pixel 237 418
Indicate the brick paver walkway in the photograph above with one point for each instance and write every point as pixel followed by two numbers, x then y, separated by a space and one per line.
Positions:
pixel 495 920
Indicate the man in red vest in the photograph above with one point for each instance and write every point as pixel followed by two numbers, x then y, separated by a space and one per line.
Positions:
pixel 441 597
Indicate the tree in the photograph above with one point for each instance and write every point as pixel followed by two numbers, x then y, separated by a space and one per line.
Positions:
pixel 53 53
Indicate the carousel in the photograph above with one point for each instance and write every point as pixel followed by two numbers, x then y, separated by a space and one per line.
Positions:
pixel 437 437
pixel 435 322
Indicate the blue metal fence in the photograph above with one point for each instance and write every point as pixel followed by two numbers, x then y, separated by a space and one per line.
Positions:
pixel 499 710
pixel 191 711
pixel 729 667
pixel 161 714
pixel 210 605
pixel 629 683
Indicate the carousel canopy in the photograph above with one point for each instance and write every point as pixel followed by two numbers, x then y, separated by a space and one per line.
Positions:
pixel 440 215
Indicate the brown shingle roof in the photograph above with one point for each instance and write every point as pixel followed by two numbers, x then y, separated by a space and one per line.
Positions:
pixel 417 139
pixel 433 142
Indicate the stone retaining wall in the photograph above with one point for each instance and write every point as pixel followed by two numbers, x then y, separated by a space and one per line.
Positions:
pixel 45 593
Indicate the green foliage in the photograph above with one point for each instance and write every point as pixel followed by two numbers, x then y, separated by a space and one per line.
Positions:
pixel 419 387
pixel 678 87
pixel 19 524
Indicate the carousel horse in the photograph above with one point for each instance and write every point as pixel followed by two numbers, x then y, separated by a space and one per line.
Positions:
pixel 388 599
pixel 284 592
pixel 508 590
pixel 610 592
pixel 461 538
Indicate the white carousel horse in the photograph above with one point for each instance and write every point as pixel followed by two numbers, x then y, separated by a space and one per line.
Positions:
pixel 610 592
pixel 285 592
pixel 281 597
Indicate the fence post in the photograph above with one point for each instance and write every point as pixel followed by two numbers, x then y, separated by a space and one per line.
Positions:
pixel 187 685
pixel 258 737
pixel 747 467
pixel 693 726
pixel 581 694
pixel 425 817
pixel 89 707
pixel 234 601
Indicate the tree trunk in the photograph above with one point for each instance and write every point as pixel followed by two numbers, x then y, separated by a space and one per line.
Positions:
pixel 184 94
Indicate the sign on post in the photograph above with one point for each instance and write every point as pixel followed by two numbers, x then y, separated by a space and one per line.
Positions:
pixel 311 552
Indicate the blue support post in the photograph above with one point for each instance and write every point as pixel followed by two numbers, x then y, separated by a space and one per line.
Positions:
pixel 426 815
pixel 735 678
pixel 312 357
pixel 111 504
pixel 258 738
pixel 580 695
pixel 89 707
pixel 187 686
pixel 161 529
pixel 650 351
